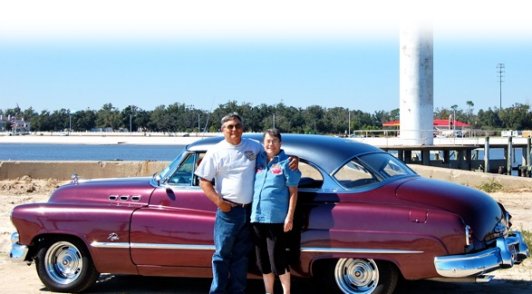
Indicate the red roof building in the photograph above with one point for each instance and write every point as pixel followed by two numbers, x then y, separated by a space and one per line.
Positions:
pixel 438 123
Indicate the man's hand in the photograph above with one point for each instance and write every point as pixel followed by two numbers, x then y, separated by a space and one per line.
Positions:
pixel 210 192
pixel 224 205
pixel 293 164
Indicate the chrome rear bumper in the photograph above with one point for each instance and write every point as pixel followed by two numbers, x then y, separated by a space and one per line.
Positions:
pixel 507 252
pixel 18 252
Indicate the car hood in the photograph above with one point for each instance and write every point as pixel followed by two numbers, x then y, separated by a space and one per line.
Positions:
pixel 477 209
pixel 123 191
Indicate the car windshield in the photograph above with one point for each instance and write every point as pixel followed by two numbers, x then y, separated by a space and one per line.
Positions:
pixel 169 170
pixel 371 168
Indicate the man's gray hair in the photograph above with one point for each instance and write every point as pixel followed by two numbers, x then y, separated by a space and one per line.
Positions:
pixel 231 116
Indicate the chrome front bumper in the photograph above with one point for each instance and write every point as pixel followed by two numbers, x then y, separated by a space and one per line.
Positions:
pixel 507 252
pixel 18 252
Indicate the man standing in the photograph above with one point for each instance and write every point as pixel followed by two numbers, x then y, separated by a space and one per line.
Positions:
pixel 231 164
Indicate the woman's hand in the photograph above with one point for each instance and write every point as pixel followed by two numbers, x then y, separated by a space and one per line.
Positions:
pixel 288 225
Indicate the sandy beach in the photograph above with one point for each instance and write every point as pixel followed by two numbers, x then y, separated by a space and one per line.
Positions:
pixel 19 278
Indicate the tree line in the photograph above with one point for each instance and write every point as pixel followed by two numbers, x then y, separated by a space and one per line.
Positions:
pixel 179 117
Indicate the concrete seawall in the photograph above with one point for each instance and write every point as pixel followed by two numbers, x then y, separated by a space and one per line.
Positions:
pixel 473 178
pixel 63 170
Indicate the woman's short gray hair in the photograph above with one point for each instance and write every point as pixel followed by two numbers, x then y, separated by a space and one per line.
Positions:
pixel 274 133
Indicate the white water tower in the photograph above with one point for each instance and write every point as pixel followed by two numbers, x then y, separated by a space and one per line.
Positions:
pixel 416 85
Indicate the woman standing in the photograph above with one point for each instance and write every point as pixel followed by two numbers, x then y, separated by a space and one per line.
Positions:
pixel 272 214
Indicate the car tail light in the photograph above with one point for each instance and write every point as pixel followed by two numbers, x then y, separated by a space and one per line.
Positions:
pixel 468 235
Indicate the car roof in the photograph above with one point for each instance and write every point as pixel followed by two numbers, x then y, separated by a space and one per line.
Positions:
pixel 328 152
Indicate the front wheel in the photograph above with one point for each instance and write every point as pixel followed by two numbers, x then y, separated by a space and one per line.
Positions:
pixel 360 276
pixel 65 266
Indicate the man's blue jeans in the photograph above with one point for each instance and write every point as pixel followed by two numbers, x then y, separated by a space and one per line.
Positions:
pixel 232 243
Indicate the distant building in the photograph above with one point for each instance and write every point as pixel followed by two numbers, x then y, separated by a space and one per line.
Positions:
pixel 442 127
pixel 102 130
pixel 14 125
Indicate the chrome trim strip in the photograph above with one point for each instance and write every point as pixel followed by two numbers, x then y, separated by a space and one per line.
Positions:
pixel 171 246
pixel 114 245
pixel 124 245
pixel 359 250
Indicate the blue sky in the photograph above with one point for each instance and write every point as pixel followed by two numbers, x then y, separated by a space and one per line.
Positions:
pixel 78 55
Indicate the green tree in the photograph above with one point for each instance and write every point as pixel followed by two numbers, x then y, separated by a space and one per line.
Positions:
pixel 245 110
pixel 142 120
pixel 290 119
pixel 313 116
pixel 84 120
pixel 336 119
pixel 59 120
pixel 489 119
pixel 516 117
pixel 160 120
pixel 128 116
pixel 42 122
pixel 109 117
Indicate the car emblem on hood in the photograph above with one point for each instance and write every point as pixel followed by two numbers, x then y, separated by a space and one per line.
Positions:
pixel 74 179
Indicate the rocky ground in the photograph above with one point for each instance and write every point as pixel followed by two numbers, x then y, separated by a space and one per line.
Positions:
pixel 19 278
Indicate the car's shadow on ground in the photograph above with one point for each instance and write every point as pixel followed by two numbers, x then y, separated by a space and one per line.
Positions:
pixel 139 284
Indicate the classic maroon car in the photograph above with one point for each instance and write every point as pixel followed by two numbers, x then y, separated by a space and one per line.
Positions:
pixel 364 219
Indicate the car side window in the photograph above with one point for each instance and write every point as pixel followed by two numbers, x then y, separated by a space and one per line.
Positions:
pixel 310 176
pixel 184 174
pixel 393 169
pixel 353 174
pixel 385 165
pixel 199 158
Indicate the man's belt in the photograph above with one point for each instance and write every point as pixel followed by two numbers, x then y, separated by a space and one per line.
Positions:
pixel 236 204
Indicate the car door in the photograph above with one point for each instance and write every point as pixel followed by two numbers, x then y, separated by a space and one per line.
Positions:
pixel 176 228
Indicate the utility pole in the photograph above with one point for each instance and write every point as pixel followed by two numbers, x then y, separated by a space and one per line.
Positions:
pixel 500 73
pixel 69 122
pixel 199 127
pixel 349 122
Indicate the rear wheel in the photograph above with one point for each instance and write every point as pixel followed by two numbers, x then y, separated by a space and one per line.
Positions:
pixel 65 266
pixel 361 276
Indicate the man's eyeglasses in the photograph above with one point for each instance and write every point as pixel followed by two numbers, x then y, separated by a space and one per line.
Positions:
pixel 236 127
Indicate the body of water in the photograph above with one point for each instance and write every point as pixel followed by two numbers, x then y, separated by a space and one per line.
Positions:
pixel 81 152
pixel 132 152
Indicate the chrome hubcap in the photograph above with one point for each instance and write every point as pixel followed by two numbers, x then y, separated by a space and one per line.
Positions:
pixel 356 275
pixel 63 262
